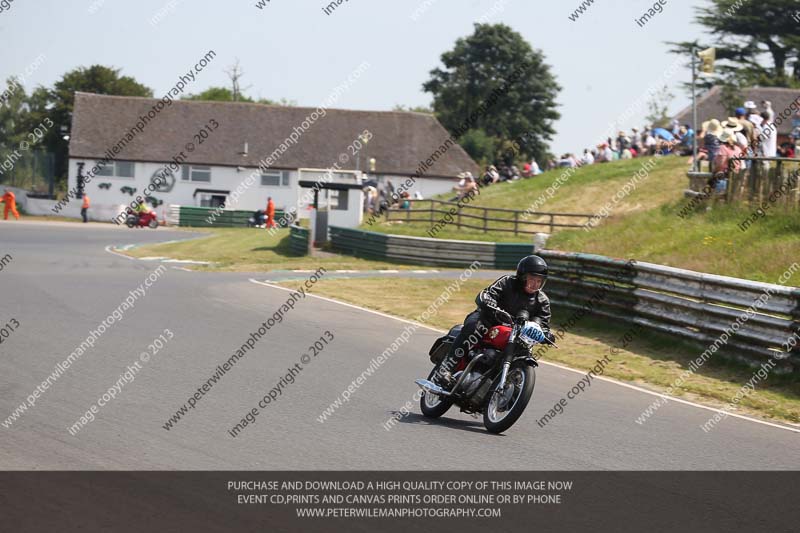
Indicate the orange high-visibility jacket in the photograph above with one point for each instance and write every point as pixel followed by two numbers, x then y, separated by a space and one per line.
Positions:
pixel 270 208
pixel 85 201
pixel 9 199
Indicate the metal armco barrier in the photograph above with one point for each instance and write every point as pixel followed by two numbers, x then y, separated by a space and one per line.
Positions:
pixel 695 306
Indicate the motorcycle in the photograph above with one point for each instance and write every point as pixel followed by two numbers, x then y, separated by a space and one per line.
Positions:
pixel 257 219
pixel 496 378
pixel 142 220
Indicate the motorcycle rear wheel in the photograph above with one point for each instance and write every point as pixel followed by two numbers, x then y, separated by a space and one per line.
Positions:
pixel 431 405
pixel 497 415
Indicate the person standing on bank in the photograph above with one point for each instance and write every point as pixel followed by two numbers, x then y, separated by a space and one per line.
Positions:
pixel 85 208
pixel 270 223
pixel 10 202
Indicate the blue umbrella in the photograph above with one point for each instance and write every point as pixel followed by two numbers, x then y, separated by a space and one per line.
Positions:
pixel 664 134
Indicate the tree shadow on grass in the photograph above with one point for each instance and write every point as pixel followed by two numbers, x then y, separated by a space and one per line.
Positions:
pixel 282 248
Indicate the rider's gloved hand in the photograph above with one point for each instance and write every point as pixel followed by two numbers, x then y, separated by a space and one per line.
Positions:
pixel 503 317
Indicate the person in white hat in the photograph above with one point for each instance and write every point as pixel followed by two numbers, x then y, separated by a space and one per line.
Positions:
pixel 728 153
pixel 735 126
pixel 724 160
pixel 769 144
pixel 711 142
pixel 460 186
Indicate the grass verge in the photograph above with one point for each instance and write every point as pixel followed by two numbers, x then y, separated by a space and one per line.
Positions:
pixel 707 241
pixel 252 250
pixel 652 360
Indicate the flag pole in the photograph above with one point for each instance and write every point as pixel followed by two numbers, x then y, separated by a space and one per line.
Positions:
pixel 695 165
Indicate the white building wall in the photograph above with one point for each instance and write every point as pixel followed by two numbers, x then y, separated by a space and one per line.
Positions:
pixel 222 178
pixel 113 200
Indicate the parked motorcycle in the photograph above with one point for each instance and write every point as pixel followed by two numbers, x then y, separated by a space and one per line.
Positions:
pixel 496 378
pixel 257 219
pixel 142 220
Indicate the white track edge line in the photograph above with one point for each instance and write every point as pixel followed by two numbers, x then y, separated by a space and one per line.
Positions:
pixel 602 378
pixel 109 250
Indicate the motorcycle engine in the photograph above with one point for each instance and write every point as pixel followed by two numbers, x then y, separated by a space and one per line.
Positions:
pixel 471 382
pixel 479 397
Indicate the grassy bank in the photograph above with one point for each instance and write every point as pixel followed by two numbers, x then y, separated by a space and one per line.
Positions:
pixel 651 360
pixel 707 241
pixel 645 224
pixel 585 191
pixel 251 250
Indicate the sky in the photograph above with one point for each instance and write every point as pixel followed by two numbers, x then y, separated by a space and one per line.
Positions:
pixel 604 61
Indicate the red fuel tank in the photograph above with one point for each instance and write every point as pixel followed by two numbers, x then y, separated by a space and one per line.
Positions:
pixel 497 337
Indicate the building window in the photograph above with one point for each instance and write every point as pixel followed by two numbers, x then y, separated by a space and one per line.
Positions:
pixel 212 200
pixel 196 173
pixel 275 179
pixel 119 169
pixel 338 200
pixel 124 169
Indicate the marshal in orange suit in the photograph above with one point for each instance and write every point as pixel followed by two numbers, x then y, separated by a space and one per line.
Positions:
pixel 10 202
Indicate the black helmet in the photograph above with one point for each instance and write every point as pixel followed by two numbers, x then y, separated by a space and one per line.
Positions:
pixel 533 264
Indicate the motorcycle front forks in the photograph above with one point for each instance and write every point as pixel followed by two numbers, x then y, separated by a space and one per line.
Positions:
pixel 503 377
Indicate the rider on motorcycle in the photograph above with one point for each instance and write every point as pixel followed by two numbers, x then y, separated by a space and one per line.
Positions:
pixel 140 208
pixel 500 302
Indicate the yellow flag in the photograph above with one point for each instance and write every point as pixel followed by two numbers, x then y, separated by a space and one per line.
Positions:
pixel 707 58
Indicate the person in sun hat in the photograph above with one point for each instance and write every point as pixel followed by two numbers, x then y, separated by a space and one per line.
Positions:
pixel 711 140
pixel 735 126
pixel 636 140
pixel 752 113
pixel 727 155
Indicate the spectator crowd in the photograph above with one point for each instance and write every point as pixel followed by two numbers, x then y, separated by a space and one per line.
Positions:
pixel 722 143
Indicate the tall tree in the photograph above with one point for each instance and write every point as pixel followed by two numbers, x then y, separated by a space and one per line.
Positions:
pixel 757 42
pixel 477 67
pixel 57 104
pixel 235 73
pixel 13 116
pixel 218 94
pixel 224 94
pixel 658 108
pixel 413 109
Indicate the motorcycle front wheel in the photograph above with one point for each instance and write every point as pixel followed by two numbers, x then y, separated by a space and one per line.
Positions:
pixel 431 405
pixel 503 409
pixel 153 224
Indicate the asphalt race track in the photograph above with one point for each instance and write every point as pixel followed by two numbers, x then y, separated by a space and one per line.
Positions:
pixel 62 283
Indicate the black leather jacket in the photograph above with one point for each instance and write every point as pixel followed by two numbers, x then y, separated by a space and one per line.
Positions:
pixel 507 294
